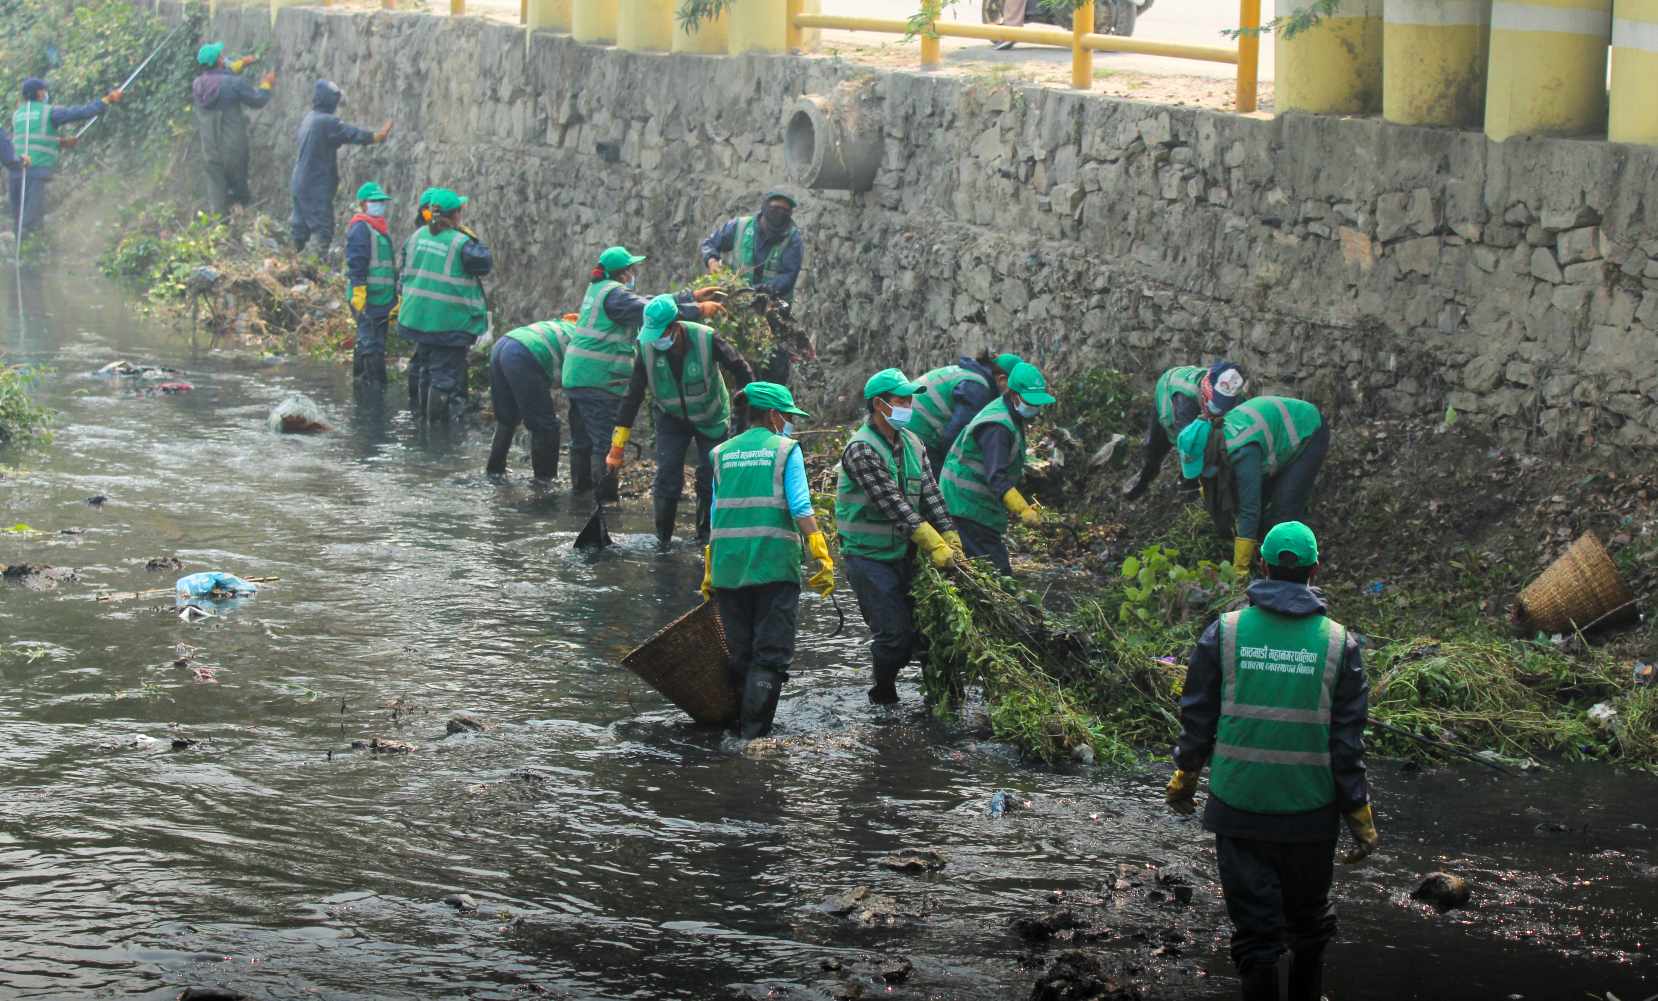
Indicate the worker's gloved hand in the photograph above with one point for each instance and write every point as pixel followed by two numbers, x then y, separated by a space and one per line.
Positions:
pixel 1181 793
pixel 385 130
pixel 1135 486
pixel 24 160
pixel 1362 822
pixel 928 540
pixel 1026 512
pixel 68 142
pixel 359 298
pixel 391 316
pixel 242 63
pixel 114 96
pixel 618 441
pixel 710 309
pixel 267 81
pixel 705 294
pixel 1243 555
pixel 708 573
pixel 953 537
pixel 823 582
pixel 572 317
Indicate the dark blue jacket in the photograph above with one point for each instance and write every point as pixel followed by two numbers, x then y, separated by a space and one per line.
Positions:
pixel 968 399
pixel 1200 702
pixel 359 247
pixel 8 152
pixel 626 308
pixel 722 240
pixel 316 173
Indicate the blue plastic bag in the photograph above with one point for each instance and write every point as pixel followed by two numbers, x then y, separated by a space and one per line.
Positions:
pixel 200 588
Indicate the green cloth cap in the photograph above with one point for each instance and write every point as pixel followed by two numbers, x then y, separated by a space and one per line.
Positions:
pixel 1194 443
pixel 660 314
pixel 891 380
pixel 771 396
pixel 617 258
pixel 775 193
pixel 208 55
pixel 426 198
pixel 1007 363
pixel 371 192
pixel 1026 380
pixel 1290 544
pixel 445 201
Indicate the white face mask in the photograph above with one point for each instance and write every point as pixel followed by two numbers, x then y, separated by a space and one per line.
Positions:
pixel 788 429
pixel 899 417
pixel 1025 410
pixel 375 209
pixel 664 343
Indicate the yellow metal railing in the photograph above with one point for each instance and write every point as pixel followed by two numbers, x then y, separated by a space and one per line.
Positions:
pixel 1081 40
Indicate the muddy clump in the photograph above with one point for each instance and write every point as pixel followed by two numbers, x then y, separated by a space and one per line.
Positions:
pixel 1075 975
pixel 1444 891
pixel 37 577
pixel 916 861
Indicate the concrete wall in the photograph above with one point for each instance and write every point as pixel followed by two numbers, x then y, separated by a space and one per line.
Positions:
pixel 1386 269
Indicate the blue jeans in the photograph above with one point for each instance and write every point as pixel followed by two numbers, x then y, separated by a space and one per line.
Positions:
pixel 981 542
pixel 883 591
pixel 368 358
pixel 590 437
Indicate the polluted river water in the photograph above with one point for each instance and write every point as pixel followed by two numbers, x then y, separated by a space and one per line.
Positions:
pixel 611 848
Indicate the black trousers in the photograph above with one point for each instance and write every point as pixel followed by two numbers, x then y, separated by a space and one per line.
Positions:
pixel 759 623
pixel 519 389
pixel 981 542
pixel 1277 895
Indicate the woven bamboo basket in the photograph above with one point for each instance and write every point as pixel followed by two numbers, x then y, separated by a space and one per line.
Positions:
pixel 686 661
pixel 1580 589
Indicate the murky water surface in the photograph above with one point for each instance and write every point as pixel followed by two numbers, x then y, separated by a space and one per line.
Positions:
pixel 615 851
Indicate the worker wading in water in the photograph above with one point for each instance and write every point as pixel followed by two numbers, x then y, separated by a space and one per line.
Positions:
pixel 767 251
pixel 751 566
pixel 371 276
pixel 442 309
pixel 35 127
pixel 524 368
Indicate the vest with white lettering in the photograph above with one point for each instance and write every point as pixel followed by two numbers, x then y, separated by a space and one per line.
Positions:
pixel 754 539
pixel 601 353
pixel 700 396
pixel 438 296
pixel 863 529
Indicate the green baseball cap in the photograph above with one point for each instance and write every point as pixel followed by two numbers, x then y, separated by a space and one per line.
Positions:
pixel 771 396
pixel 1290 544
pixel 617 258
pixel 660 313
pixel 426 198
pixel 445 201
pixel 1026 380
pixel 1194 443
pixel 371 192
pixel 208 55
pixel 891 380
pixel 1007 363
pixel 776 193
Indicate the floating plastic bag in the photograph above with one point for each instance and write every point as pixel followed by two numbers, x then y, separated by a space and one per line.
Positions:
pixel 298 414
pixel 210 586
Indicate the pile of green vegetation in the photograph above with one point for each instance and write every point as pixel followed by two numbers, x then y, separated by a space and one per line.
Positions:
pixel 22 420
pixel 158 249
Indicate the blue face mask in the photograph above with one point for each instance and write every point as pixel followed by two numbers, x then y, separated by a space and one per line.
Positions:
pixel 788 429
pixel 664 343
pixel 633 282
pixel 899 417
pixel 375 209
pixel 1025 410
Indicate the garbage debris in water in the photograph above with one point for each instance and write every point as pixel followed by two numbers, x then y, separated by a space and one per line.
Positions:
pixel 213 585
pixel 1006 802
pixel 146 373
pixel 1644 673
pixel 1443 890
pixel 37 577
pixel 916 860
pixel 164 563
pixel 298 414
pixel 97 500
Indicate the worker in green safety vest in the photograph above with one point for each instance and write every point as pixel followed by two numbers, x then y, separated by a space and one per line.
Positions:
pixel 888 507
pixel 680 362
pixel 1260 470
pixel 442 308
pixel 767 250
pixel 371 277
pixel 986 464
pixel 751 566
pixel 1275 701
pixel 1182 395
pixel 423 215
pixel 35 136
pixel 524 367
pixel 955 395
pixel 599 365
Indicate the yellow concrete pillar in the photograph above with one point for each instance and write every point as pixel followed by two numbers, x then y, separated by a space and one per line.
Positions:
pixel 646 25
pixel 548 15
pixel 1334 67
pixel 1434 54
pixel 1548 67
pixel 759 26
pixel 593 21
pixel 1634 114
pixel 710 38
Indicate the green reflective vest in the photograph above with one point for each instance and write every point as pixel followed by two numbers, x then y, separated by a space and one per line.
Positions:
pixel 1182 380
pixel 546 340
pixel 381 282
pixel 1278 676
pixel 742 248
pixel 438 297
pixel 863 529
pixel 601 353
pixel 701 399
pixel 965 482
pixel 34 134
pixel 754 539
pixel 934 407
pixel 1278 424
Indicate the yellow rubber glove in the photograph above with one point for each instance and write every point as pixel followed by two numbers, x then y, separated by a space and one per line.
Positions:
pixel 1017 506
pixel 359 298
pixel 618 441
pixel 396 305
pixel 823 582
pixel 238 65
pixel 930 542
pixel 1362 822
pixel 1243 555
pixel 707 573
pixel 954 539
pixel 1181 793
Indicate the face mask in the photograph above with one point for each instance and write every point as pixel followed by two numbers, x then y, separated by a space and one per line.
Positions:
pixel 633 282
pixel 899 417
pixel 376 209
pixel 664 342
pixel 788 429
pixel 1025 410
pixel 777 219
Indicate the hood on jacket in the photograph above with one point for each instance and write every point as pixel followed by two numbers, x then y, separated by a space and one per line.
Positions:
pixel 205 88
pixel 325 97
pixel 1287 598
pixel 978 368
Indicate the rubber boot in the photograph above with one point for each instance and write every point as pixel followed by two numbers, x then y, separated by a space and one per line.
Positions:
pixel 760 694
pixel 544 455
pixel 885 692
pixel 498 449
pixel 443 407
pixel 1307 975
pixel 581 470
pixel 665 509
pixel 705 512
pixel 1261 984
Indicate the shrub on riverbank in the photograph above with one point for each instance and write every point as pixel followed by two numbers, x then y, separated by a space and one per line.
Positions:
pixel 22 420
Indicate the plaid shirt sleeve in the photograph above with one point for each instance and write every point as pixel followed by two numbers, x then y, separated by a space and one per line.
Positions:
pixel 869 472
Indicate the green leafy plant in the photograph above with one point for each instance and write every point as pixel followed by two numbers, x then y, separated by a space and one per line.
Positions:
pixel 157 252
pixel 1291 24
pixel 22 420
pixel 1159 590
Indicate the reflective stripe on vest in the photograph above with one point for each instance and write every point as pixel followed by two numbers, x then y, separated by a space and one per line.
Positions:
pixel 1278 424
pixel 1278 678
pixel 382 270
pixel 864 529
pixel 600 355
pixel 934 407
pixel 754 539
pixel 32 126
pixel 1182 380
pixel 700 397
pixel 545 340
pixel 437 296
pixel 965 482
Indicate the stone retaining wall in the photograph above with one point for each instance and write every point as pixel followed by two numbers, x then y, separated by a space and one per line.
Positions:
pixel 1384 269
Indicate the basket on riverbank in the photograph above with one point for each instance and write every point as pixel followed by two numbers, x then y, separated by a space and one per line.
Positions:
pixel 686 661
pixel 1580 589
